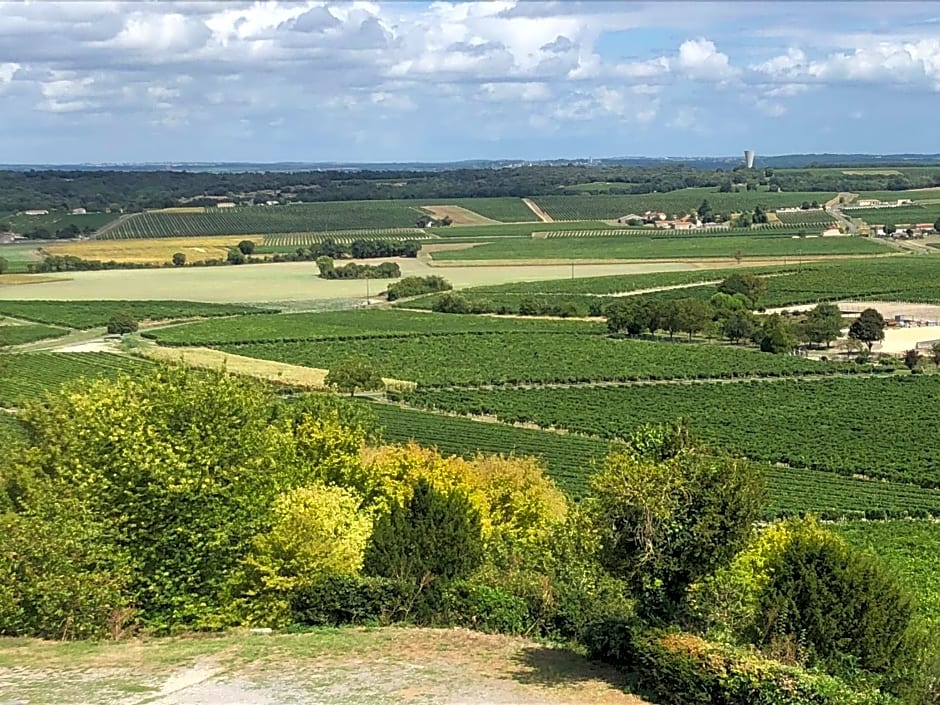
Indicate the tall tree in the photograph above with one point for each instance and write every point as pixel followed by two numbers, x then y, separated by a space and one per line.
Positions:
pixel 868 328
pixel 823 324
pixel 353 375
pixel 693 315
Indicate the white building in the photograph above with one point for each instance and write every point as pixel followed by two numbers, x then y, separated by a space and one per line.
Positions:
pixel 36 212
pixel 79 211
pixel 225 204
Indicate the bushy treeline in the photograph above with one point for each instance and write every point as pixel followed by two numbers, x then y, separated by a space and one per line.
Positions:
pixel 189 499
pixel 353 270
pixel 139 190
pixel 70 263
pixel 68 232
pixel 417 286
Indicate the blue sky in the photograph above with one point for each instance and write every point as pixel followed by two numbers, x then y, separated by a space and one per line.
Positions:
pixel 401 81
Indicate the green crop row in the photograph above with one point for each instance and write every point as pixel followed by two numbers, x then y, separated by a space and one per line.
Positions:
pixel 343 237
pixel 350 324
pixel 635 247
pixel 885 427
pixel 29 375
pixel 19 335
pixel 570 459
pixel 90 314
pixel 544 358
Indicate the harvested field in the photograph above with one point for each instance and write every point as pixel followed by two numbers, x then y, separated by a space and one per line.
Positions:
pixel 153 251
pixel 458 215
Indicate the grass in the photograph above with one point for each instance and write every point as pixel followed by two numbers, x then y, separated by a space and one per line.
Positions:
pixel 638 247
pixel 22 334
pixel 155 251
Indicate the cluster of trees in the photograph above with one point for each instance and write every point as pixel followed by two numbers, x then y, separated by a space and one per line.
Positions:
pixel 385 270
pixel 70 263
pixel 309 519
pixel 416 286
pixel 65 233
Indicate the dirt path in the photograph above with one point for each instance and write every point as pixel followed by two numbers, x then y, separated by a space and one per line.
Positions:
pixel 344 666
pixel 108 227
pixel 535 208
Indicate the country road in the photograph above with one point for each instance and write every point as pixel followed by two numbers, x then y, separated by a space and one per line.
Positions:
pixel 833 209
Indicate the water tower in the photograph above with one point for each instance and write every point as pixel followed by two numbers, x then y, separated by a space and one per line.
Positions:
pixel 749 158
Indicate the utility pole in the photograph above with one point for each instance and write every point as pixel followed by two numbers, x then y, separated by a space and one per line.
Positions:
pixel 367 291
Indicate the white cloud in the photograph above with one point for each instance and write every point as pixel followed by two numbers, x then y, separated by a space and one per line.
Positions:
pixel 700 59
pixel 8 71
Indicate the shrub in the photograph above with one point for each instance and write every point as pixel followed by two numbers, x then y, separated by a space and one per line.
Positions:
pixel 337 600
pixel 416 286
pixel 122 323
pixel 246 247
pixel 434 535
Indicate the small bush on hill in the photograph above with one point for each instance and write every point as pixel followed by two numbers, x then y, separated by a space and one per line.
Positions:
pixel 416 286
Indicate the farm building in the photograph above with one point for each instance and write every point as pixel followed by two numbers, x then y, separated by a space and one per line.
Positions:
pixel 225 204
pixel 79 211
pixel 36 212
pixel 628 218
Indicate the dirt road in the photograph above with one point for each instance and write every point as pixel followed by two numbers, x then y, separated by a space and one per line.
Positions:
pixel 535 208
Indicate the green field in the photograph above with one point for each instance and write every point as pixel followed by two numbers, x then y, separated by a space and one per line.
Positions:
pixel 479 232
pixel 607 207
pixel 258 220
pixel 878 427
pixel 90 314
pixel 508 210
pixel 521 358
pixel 570 459
pixel 288 242
pixel 20 334
pixel 55 220
pixel 19 257
pixel 29 375
pixel 636 247
pixel 911 194
pixel 902 215
pixel 910 548
pixel 810 217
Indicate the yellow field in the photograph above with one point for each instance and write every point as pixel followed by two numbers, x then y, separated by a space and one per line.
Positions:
pixel 153 251
pixel 12 279
pixel 181 209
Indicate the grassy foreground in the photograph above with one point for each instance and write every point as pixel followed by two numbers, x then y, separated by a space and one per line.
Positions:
pixel 387 665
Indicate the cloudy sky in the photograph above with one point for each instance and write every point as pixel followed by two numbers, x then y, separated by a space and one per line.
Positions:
pixel 404 81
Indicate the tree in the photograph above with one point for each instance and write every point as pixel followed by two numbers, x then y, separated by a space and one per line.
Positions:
pixel 693 315
pixel 823 324
pixel 705 212
pixel 122 323
pixel 235 256
pixel 738 326
pixel 434 535
pixel 890 228
pixel 760 215
pixel 868 328
pixel 325 265
pixel 750 285
pixel 936 225
pixel 912 359
pixel 935 353
pixel 352 375
pixel 671 512
pixel 246 247
pixel 776 335
pixel 179 259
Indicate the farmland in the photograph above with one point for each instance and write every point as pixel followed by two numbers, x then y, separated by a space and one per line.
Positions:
pixel 158 251
pixel 18 257
pixel 289 241
pixel 477 232
pixel 522 358
pixel 90 314
pixel 55 220
pixel 901 215
pixel 30 375
pixel 507 210
pixel 257 220
pixel 843 425
pixel 809 217
pixel 570 459
pixel 607 207
pixel 30 333
pixel 637 247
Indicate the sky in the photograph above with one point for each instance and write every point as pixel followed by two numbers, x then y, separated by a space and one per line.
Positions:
pixel 145 81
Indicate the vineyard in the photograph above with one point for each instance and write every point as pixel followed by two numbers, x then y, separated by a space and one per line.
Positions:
pixel 20 335
pixel 252 220
pixel 808 217
pixel 570 459
pixel 375 323
pixel 607 207
pixel 29 375
pixel 767 229
pixel 544 358
pixel 902 215
pixel 910 548
pixel 479 232
pixel 879 427
pixel 635 247
pixel 343 237
pixel 90 314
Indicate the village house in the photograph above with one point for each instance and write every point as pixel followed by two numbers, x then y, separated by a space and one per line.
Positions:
pixel 79 211
pixel 36 212
pixel 225 204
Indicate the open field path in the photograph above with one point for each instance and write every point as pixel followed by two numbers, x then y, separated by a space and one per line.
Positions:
pixel 537 209
pixel 387 666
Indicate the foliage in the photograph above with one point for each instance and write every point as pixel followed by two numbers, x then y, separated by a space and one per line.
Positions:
pixel 670 514
pixel 434 535
pixel 337 600
pixel 912 359
pixel 18 335
pixel 179 259
pixel 776 335
pixel 246 247
pixel 121 323
pixel 746 284
pixel 416 286
pixel 161 451
pixel 868 328
pixel 352 375
pixel 317 531
pixel 385 270
pixel 91 314
pixel 823 324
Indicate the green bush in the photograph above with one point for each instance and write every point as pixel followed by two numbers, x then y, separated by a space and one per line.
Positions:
pixel 434 536
pixel 122 323
pixel 416 286
pixel 338 600
pixel 485 608
pixel 683 669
